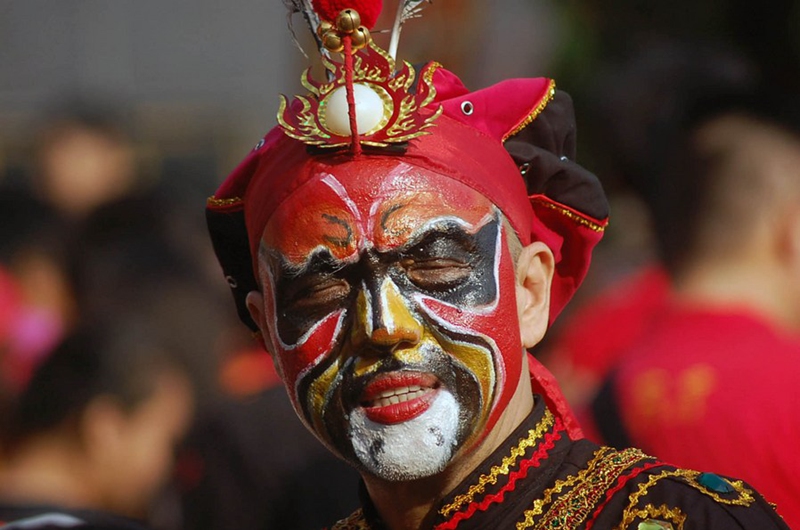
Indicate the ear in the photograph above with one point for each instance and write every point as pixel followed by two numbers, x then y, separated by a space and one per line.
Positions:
pixel 255 305
pixel 534 275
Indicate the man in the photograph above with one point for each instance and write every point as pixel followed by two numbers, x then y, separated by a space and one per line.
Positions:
pixel 89 441
pixel 732 326
pixel 397 277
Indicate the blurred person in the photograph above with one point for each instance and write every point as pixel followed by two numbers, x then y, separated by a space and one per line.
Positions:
pixel 712 379
pixel 32 256
pixel 641 101
pixel 84 158
pixel 89 440
pixel 397 257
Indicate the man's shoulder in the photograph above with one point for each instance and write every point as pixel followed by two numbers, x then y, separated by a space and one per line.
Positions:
pixel 628 490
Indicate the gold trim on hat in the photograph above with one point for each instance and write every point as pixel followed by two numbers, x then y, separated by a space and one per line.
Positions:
pixel 551 92
pixel 592 225
pixel 213 202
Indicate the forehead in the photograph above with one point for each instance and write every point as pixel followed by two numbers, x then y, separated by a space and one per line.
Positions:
pixel 385 204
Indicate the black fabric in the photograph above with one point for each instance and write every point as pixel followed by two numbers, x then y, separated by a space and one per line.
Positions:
pixel 606 412
pixel 545 151
pixel 13 517
pixel 576 484
pixel 232 247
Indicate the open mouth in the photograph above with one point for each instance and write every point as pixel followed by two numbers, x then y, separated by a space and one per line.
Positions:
pixel 398 397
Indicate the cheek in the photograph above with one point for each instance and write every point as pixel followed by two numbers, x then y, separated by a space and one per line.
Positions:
pixel 491 348
pixel 297 361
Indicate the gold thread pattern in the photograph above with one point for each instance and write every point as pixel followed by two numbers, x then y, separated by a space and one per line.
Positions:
pixel 575 217
pixel 745 496
pixel 549 95
pixel 355 521
pixel 532 440
pixel 587 486
pixel 213 202
pixel 571 509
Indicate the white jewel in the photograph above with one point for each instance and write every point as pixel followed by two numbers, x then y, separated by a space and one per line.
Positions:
pixel 369 110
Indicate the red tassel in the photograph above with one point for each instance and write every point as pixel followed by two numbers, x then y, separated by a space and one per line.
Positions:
pixel 369 10
pixel 351 99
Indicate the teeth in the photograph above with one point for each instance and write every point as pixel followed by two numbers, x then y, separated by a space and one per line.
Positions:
pixel 398 395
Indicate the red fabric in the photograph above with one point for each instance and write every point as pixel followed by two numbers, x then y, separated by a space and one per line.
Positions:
pixel 717 390
pixel 369 10
pixel 598 334
pixel 467 148
pixel 10 305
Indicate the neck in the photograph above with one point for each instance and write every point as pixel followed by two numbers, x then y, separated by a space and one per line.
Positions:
pixel 759 288
pixel 405 505
pixel 47 471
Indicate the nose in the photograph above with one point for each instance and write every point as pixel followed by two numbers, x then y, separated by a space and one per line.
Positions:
pixel 384 321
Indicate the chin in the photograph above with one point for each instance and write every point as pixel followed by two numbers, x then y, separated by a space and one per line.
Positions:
pixel 417 448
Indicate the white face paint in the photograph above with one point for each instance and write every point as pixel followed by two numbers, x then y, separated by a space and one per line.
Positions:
pixel 418 448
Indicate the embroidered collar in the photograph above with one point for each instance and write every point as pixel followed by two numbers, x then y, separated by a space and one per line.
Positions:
pixel 539 442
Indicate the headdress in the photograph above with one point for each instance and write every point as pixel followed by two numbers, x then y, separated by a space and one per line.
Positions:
pixel 514 142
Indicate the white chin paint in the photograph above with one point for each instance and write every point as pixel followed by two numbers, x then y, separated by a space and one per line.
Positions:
pixel 420 447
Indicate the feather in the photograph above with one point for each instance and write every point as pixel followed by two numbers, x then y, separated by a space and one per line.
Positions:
pixel 305 8
pixel 406 10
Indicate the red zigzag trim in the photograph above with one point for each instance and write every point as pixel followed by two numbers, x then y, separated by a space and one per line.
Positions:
pixel 534 461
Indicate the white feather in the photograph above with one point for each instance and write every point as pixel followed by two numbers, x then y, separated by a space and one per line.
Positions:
pixel 406 10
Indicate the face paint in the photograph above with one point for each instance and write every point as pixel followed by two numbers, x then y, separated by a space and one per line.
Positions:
pixel 391 310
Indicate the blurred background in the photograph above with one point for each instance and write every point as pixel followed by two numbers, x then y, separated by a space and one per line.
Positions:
pixel 119 118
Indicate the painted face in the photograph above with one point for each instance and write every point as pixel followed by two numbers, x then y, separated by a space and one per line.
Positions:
pixel 391 310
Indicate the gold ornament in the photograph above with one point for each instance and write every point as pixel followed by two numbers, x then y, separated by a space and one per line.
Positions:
pixel 333 41
pixel 360 38
pixel 323 28
pixel 348 21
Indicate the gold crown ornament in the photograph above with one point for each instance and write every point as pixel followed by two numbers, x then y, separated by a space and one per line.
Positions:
pixel 364 100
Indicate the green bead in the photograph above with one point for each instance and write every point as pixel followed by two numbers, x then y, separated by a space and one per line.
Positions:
pixel 652 524
pixel 714 483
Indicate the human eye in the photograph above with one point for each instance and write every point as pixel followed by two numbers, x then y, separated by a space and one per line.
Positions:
pixel 437 274
pixel 439 262
pixel 316 293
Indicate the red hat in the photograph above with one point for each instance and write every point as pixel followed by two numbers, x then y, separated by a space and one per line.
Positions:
pixel 513 142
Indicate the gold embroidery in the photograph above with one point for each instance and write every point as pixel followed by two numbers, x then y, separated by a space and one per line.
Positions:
pixel 551 92
pixel 587 486
pixel 213 202
pixel 355 521
pixel 572 508
pixel 575 217
pixel 688 476
pixel 558 486
pixel 534 435
pixel 675 515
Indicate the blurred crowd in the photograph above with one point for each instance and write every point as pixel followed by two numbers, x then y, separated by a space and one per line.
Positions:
pixel 128 387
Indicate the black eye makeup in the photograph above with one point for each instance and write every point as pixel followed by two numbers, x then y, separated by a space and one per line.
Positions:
pixel 441 261
pixel 305 297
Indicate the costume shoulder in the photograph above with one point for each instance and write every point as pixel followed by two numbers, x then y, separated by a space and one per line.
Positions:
pixel 656 496
pixel 43 518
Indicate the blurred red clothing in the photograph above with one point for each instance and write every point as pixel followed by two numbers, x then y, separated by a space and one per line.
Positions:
pixel 713 390
pixel 602 330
